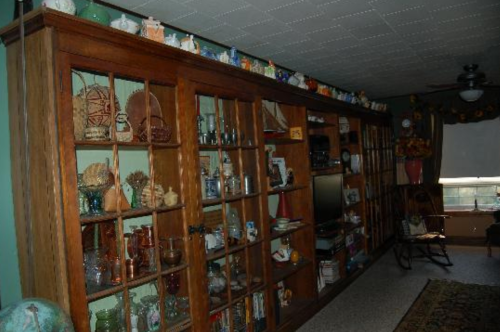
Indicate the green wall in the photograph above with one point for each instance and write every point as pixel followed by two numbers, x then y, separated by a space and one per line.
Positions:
pixel 10 288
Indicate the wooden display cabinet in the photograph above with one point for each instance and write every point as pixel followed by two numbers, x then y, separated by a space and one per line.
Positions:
pixel 213 116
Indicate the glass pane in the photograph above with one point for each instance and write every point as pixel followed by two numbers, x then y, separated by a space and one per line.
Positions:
pixel 246 120
pixel 134 174
pixel 252 219
pixel 217 283
pixel 146 302
pixel 238 274
pixel 256 276
pixel 101 256
pixel 92 112
pixel 228 124
pixel 259 312
pixel 107 314
pixel 164 123
pixel 171 233
pixel 166 165
pixel 130 94
pixel 231 173
pixel 219 322
pixel 214 229
pixel 250 172
pixel 140 247
pixel 207 120
pixel 239 316
pixel 177 306
pixel 211 186
pixel 234 217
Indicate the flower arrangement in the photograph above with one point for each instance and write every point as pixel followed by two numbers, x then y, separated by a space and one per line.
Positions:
pixel 413 148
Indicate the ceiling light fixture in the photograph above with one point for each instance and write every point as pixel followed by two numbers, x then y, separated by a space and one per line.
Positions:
pixel 471 94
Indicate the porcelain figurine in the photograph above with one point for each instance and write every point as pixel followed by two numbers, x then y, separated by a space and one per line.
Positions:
pixel 234 60
pixel 270 71
pixel 282 76
pixel 245 64
pixel 95 13
pixel 257 67
pixel 152 29
pixel 334 93
pixel 223 57
pixel 171 197
pixel 171 40
pixel 189 44
pixel 302 80
pixel 208 53
pixel 65 6
pixel 324 90
pixel 125 24
pixel 312 84
pixel 293 80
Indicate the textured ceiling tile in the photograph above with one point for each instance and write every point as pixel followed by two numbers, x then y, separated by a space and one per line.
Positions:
pixel 416 27
pixel 459 23
pixel 360 20
pixel 313 23
pixel 387 39
pixel 433 4
pixel 371 31
pixel 165 10
pixel 269 27
pixel 341 43
pixel 244 17
pixel 195 22
pixel 285 38
pixel 130 3
pixel 332 33
pixel 223 32
pixel 294 12
pixel 263 50
pixel 216 7
pixel 414 14
pixel 266 5
pixel 246 41
pixel 455 12
pixel 340 8
pixel 319 2
pixel 391 6
pixel 301 45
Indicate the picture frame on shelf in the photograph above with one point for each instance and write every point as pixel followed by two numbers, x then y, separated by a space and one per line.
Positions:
pixel 278 175
pixel 351 196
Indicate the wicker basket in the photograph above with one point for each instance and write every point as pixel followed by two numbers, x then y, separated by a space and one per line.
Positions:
pixel 161 133
pixel 97 133
pixel 80 114
pixel 124 135
pixel 146 197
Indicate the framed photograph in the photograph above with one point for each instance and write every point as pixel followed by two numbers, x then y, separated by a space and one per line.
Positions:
pixel 205 164
pixel 278 174
pixel 351 196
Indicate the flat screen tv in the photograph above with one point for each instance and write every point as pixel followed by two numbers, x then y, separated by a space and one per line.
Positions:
pixel 328 198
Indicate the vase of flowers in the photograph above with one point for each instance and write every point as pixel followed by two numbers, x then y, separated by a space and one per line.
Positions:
pixel 413 149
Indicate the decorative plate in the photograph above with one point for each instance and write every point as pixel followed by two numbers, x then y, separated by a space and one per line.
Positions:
pixel 136 108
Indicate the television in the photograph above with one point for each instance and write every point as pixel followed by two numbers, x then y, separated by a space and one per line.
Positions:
pixel 328 198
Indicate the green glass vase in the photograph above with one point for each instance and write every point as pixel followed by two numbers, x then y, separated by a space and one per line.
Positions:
pixel 95 13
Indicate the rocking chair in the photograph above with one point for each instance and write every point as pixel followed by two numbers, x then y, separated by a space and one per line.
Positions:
pixel 421 226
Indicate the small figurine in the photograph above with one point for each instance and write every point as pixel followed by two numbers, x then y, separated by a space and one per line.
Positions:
pixel 189 44
pixel 208 53
pixel 171 40
pixel 245 64
pixel 302 81
pixel 312 84
pixel 125 24
pixel 171 197
pixel 257 67
pixel 223 57
pixel 270 71
pixel 282 76
pixel 293 80
pixel 234 60
pixel 335 94
pixel 152 29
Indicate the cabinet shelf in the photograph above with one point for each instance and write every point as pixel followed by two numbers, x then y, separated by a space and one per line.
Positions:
pixel 128 214
pixel 106 292
pixel 278 233
pixel 280 273
pixel 283 140
pixel 286 188
pixel 181 325
pixel 289 312
pixel 313 124
pixel 167 270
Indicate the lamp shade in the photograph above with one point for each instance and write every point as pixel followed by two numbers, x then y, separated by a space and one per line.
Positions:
pixel 471 95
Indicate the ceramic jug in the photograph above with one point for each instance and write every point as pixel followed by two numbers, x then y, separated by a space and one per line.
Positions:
pixel 95 13
pixel 171 40
pixel 125 24
pixel 189 44
pixel 65 6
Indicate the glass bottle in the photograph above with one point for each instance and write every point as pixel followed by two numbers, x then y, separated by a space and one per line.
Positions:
pixel 148 247
pixel 216 280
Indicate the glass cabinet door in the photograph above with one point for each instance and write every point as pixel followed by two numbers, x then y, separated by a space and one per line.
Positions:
pixel 134 243
pixel 232 213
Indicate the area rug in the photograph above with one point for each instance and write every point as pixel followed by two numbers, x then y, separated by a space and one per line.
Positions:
pixel 451 306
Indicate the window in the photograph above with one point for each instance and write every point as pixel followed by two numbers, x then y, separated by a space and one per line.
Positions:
pixel 463 193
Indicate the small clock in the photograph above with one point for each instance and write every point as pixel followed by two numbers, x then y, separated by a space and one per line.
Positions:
pixel 406 123
pixel 346 156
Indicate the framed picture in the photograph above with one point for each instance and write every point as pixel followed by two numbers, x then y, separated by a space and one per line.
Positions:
pixel 351 196
pixel 205 164
pixel 278 174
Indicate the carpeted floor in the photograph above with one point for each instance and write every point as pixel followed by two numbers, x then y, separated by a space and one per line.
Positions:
pixel 379 299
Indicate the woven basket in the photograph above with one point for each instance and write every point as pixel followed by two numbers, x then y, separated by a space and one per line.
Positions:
pixel 96 174
pixel 161 133
pixel 80 114
pixel 146 197
pixel 124 135
pixel 99 105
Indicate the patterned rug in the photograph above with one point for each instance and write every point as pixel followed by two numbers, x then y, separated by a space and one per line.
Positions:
pixel 451 306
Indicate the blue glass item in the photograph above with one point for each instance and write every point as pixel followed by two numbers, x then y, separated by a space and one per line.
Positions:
pixel 95 13
pixel 211 188
pixel 233 57
pixel 95 199
pixel 208 53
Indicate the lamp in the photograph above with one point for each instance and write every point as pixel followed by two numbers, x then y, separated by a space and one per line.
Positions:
pixel 470 95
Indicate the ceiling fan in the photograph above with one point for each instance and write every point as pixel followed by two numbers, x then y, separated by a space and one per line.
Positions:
pixel 470 81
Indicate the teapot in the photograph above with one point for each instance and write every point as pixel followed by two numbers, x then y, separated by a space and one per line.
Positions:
pixel 125 24
pixel 171 40
pixel 188 44
pixel 170 197
pixel 65 6
pixel 223 57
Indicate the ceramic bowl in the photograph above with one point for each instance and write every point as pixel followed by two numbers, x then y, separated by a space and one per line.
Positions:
pixel 282 223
